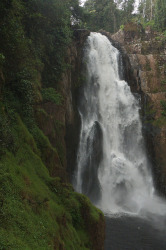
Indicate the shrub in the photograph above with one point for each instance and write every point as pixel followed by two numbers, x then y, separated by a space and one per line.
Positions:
pixel 122 27
pixel 51 95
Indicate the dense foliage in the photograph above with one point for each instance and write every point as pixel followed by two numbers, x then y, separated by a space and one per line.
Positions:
pixel 160 15
pixel 112 14
pixel 34 38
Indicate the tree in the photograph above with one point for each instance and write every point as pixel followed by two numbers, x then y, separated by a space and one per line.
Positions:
pixel 160 15
pixel 103 14
pixel 146 9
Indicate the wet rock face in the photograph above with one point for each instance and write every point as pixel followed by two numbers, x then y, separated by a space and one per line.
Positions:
pixel 90 181
pixel 144 54
pixel 70 86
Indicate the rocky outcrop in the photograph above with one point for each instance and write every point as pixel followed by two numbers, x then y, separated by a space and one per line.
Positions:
pixel 144 53
pixel 60 123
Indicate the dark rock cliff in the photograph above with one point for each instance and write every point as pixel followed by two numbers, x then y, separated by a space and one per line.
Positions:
pixel 74 80
pixel 60 123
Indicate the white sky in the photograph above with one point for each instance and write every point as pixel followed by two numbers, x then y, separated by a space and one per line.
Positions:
pixel 82 2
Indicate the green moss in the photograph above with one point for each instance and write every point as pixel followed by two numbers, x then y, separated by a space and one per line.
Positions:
pixel 21 133
pixel 6 140
pixel 48 153
pixel 38 211
pixel 23 210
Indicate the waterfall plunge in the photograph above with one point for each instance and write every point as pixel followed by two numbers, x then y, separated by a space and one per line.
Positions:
pixel 112 167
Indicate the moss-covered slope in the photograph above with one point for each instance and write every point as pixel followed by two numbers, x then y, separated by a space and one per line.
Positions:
pixel 38 207
pixel 39 211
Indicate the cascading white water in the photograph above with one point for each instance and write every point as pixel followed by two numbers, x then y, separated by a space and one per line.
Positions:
pixel 112 167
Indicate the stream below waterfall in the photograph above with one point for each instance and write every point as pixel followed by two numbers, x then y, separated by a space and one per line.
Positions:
pixel 112 166
pixel 133 233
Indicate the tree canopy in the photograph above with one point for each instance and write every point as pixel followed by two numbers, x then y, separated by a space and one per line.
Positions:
pixel 111 14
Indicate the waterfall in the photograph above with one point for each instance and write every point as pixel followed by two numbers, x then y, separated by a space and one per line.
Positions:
pixel 112 166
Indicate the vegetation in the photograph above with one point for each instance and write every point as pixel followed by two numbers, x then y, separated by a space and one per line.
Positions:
pixel 50 94
pixel 111 15
pixel 153 13
pixel 163 105
pixel 38 209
